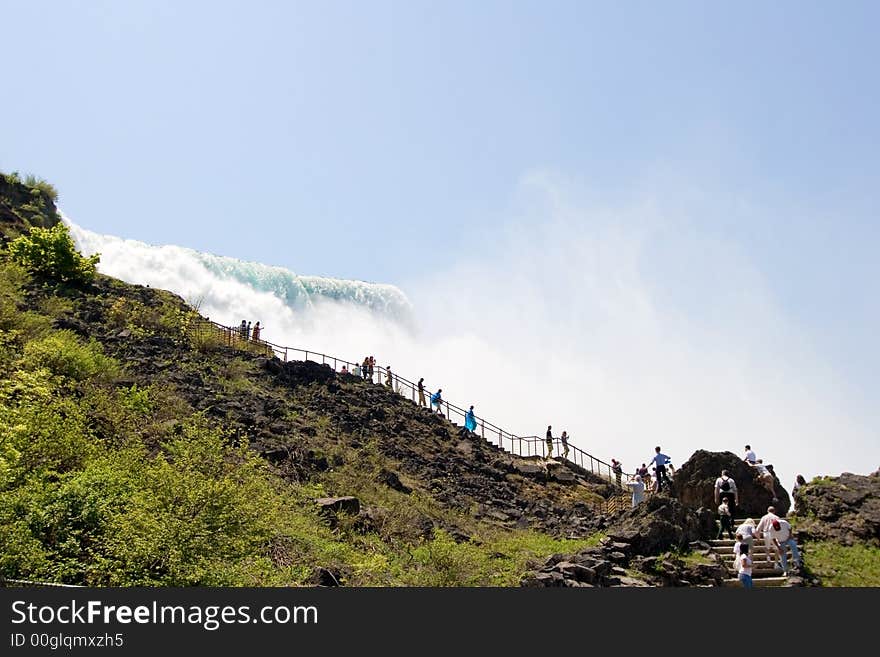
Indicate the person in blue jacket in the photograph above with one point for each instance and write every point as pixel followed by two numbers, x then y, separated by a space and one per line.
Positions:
pixel 437 400
pixel 470 422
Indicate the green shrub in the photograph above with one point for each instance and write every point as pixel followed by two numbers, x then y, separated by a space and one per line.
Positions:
pixel 42 185
pixel 50 253
pixel 37 439
pixel 63 353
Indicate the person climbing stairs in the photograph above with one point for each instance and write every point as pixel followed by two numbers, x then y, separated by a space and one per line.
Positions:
pixel 764 574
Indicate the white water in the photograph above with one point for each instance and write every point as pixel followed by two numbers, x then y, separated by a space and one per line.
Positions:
pixel 299 311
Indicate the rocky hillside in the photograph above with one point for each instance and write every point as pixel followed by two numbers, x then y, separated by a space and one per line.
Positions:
pixel 114 399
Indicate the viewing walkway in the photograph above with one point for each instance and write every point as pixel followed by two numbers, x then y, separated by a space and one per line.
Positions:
pixel 209 332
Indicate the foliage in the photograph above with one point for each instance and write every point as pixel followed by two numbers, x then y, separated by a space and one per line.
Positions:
pixel 43 186
pixel 66 355
pixel 50 253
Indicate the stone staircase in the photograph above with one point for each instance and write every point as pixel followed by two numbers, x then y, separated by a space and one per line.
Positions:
pixel 763 574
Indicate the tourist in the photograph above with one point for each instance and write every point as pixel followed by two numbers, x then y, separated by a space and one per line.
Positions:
pixel 372 365
pixel 564 439
pixel 750 456
pixel 744 566
pixel 644 474
pixel 242 330
pixel 725 488
pixel 745 533
pixel 422 392
pixel 660 460
pixel 638 490
pixel 725 520
pixel 780 534
pixel 798 482
pixel 549 443
pixel 470 421
pixel 247 332
pixel 617 469
pixel 344 370
pixel 389 378
pixel 763 529
pixel 257 330
pixel 356 370
pixel 765 477
pixel 437 400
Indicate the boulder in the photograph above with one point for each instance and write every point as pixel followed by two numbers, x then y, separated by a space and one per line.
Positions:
pixel 658 524
pixel 694 484
pixel 845 509
pixel 347 504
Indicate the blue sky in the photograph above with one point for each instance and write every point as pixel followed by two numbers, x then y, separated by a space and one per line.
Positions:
pixel 378 140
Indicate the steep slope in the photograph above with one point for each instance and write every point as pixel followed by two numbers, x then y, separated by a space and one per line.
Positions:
pixel 135 451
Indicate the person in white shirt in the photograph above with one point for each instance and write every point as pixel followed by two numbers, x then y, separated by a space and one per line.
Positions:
pixel 765 478
pixel 750 456
pixel 763 529
pixel 745 533
pixel 726 520
pixel 638 489
pixel 744 566
pixel 725 489
pixel 780 534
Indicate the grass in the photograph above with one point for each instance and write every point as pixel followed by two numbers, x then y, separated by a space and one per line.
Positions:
pixel 839 565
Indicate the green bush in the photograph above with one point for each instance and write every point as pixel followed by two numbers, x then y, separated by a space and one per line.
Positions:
pixel 50 253
pixel 42 185
pixel 41 434
pixel 63 353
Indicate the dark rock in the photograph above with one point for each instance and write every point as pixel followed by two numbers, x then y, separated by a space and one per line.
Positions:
pixel 845 509
pixel 577 572
pixel 530 469
pixel 347 504
pixel 392 480
pixel 538 580
pixel 563 476
pixel 656 525
pixel 694 484
pixel 325 577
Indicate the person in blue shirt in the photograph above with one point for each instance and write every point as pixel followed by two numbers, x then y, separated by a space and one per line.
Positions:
pixel 470 422
pixel 660 460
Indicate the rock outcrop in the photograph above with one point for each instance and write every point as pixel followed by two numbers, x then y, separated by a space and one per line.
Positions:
pixel 630 555
pixel 845 509
pixel 694 484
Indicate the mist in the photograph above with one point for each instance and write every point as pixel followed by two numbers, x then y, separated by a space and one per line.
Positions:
pixel 627 324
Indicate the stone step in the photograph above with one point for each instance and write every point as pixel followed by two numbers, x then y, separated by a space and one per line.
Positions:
pixel 728 551
pixel 724 542
pixel 759 582
pixel 759 566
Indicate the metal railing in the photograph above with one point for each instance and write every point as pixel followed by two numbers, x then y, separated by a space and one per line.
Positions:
pixel 5 582
pixel 211 332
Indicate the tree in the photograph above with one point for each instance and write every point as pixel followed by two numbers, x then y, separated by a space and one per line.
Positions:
pixel 50 253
